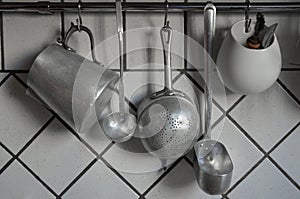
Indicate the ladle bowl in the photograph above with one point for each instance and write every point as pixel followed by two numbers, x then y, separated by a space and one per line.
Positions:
pixel 213 166
pixel 119 127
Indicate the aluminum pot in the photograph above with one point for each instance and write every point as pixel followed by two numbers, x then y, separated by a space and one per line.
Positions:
pixel 54 80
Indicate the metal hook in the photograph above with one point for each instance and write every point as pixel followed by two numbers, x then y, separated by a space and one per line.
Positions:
pixel 247 18
pixel 166 22
pixel 79 19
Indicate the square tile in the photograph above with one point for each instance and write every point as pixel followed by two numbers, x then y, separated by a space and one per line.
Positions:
pixel 292 81
pixel 223 96
pixel 96 138
pixel 242 152
pixel 99 182
pixel 17 182
pixel 179 183
pixel 132 157
pixel 265 182
pixel 143 40
pixel 21 116
pixel 4 157
pixel 142 181
pixel 56 156
pixel 37 32
pixel 2 76
pixel 187 86
pixel 267 116
pixel 286 155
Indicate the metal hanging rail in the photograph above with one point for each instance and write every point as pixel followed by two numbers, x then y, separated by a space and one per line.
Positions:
pixel 45 7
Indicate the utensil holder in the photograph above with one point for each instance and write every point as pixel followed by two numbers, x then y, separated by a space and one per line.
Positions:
pixel 245 70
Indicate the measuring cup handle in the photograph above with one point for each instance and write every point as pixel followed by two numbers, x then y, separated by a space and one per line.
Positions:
pixel 75 28
pixel 166 33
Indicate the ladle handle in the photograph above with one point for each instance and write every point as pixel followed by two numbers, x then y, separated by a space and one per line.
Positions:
pixel 121 52
pixel 209 29
pixel 166 33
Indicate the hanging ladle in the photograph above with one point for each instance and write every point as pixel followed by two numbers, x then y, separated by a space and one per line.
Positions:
pixel 212 163
pixel 120 126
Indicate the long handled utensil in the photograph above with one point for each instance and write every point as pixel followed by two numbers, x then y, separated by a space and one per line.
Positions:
pixel 212 163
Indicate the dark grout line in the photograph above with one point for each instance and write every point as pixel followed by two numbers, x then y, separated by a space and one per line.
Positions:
pixel 106 149
pixel 14 71
pixel 189 161
pixel 90 148
pixel 284 173
pixel 78 177
pixel 16 157
pixel 37 177
pixel 235 104
pixel 7 149
pixel 2 41
pixel 4 79
pixel 185 30
pixel 20 80
pixel 127 101
pixel 35 136
pixel 10 161
pixel 75 134
pixel 7 164
pixel 62 21
pixel 120 176
pixel 194 81
pixel 290 69
pixel 159 70
pixel 245 175
pixel 286 89
pixel 98 156
pixel 218 121
pixel 162 176
pixel 284 138
pixel 246 134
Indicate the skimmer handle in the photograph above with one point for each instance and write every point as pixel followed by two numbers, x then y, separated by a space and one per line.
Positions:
pixel 166 33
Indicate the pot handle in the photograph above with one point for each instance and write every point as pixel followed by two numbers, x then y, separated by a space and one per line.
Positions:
pixel 78 28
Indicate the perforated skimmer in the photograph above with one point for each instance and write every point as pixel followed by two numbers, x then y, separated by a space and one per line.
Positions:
pixel 168 119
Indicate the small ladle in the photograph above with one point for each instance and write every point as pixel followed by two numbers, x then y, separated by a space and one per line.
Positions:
pixel 120 126
pixel 212 163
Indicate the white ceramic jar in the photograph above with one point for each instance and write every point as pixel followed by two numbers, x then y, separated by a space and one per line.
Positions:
pixel 245 70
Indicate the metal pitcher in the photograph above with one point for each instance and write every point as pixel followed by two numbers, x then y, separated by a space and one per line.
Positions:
pixel 54 79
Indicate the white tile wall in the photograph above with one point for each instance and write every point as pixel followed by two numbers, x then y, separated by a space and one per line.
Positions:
pixel 4 157
pixel 287 157
pixel 17 182
pixel 56 149
pixel 21 116
pixel 25 35
pixel 268 116
pixel 56 164
pixel 266 181
pixel 99 182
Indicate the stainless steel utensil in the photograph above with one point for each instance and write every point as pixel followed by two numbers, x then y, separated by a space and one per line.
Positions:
pixel 168 121
pixel 267 35
pixel 53 77
pixel 120 126
pixel 212 163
